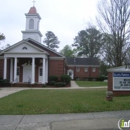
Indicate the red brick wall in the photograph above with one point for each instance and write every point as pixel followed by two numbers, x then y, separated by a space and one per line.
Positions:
pixel 110 81
pixel 36 73
pixel 94 74
pixel 110 86
pixel 83 74
pixel 8 69
pixel 21 74
pixel 56 67
pixel 1 67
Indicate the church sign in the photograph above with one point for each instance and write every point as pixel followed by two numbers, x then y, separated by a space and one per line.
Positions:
pixel 121 81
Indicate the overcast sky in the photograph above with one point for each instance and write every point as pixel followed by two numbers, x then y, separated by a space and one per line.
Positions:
pixel 63 17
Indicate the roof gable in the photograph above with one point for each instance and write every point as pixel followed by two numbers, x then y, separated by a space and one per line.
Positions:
pixel 23 47
pixel 50 51
pixel 32 47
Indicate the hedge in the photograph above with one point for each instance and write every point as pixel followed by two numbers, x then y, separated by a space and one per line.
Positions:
pixel 53 78
pixel 4 82
pixel 65 78
pixel 60 84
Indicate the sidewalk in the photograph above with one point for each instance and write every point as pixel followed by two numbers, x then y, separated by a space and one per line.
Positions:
pixel 84 121
pixel 74 84
pixel 5 91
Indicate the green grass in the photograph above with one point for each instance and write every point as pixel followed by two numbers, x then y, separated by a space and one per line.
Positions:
pixel 91 83
pixel 61 101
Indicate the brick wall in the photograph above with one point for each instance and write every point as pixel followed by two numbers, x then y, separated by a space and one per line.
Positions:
pixel 1 67
pixel 83 74
pixel 94 74
pixel 56 67
pixel 110 81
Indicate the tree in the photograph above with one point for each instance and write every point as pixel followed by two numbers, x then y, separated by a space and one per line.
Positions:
pixel 2 37
pixel 114 20
pixel 103 68
pixel 51 40
pixel 67 51
pixel 4 47
pixel 88 42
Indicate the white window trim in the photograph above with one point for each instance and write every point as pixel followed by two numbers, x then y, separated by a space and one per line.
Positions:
pixel 85 69
pixel 77 69
pixel 94 69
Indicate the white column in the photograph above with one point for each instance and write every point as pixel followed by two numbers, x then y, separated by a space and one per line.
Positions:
pixel 11 70
pixel 46 70
pixel 15 68
pixel 43 71
pixel 33 71
pixel 5 67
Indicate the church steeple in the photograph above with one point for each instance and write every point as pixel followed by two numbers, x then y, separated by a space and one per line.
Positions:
pixel 32 25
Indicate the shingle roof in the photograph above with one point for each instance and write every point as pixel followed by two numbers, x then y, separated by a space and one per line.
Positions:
pixel 82 61
pixel 32 10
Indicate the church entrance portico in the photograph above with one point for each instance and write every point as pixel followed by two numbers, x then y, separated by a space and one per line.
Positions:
pixel 26 70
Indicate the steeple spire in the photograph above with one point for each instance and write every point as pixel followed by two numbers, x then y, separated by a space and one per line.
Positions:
pixel 34 2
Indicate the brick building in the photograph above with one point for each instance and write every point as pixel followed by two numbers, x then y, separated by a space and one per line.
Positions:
pixel 82 67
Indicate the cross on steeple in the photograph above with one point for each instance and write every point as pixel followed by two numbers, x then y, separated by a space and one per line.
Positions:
pixel 34 2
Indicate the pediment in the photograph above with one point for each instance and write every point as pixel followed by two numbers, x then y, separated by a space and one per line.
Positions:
pixel 24 47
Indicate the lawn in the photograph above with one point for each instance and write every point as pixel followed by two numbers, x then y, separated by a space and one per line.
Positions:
pixel 91 83
pixel 61 101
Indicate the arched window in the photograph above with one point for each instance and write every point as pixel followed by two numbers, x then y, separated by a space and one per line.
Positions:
pixel 24 48
pixel 31 24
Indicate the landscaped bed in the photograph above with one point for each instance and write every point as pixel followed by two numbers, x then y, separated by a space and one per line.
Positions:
pixel 61 101
pixel 91 83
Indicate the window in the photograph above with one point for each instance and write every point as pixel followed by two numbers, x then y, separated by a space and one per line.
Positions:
pixel 17 71
pixel 85 69
pixel 93 69
pixel 24 48
pixel 31 24
pixel 77 69
pixel 40 72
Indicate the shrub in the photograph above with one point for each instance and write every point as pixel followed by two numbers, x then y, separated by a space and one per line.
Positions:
pixel 44 85
pixel 65 78
pixel 52 83
pixel 53 78
pixel 90 79
pixel 60 84
pixel 4 82
pixel 101 78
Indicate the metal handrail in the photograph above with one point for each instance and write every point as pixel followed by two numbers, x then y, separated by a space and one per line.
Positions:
pixel 16 80
pixel 29 81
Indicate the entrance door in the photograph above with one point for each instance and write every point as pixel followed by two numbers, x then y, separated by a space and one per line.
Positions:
pixel 70 73
pixel 27 73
